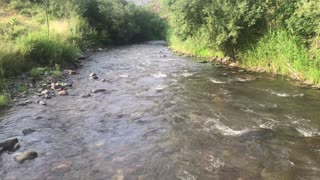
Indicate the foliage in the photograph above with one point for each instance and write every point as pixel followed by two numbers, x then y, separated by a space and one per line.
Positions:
pixel 4 101
pixel 118 21
pixel 305 20
pixel 37 48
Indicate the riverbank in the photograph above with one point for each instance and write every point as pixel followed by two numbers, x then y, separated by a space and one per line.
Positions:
pixel 159 112
pixel 305 73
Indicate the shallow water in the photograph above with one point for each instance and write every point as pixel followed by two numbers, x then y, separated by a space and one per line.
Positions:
pixel 168 118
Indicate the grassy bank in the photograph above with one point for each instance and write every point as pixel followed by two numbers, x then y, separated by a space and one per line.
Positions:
pixel 270 36
pixel 278 52
pixel 36 35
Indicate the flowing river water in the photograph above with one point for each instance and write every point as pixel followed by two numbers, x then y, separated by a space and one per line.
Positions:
pixel 167 117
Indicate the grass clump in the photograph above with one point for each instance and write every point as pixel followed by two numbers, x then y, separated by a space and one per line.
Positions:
pixel 193 47
pixel 4 101
pixel 37 72
pixel 40 49
pixel 280 52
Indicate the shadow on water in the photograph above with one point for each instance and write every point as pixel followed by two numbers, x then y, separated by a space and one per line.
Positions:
pixel 168 117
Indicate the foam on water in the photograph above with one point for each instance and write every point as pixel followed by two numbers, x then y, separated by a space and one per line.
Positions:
pixel 284 94
pixel 159 75
pixel 223 129
pixel 307 133
pixel 215 81
pixel 186 74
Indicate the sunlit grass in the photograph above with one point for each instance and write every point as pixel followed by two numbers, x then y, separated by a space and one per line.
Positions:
pixel 281 53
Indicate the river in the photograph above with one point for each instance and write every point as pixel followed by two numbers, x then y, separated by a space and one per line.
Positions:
pixel 167 117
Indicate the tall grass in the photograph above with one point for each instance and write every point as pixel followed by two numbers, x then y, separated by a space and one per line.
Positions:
pixel 193 47
pixel 282 53
pixel 39 49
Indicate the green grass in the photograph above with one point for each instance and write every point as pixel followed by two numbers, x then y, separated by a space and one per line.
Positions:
pixel 280 52
pixel 193 47
pixel 22 88
pixel 4 101
pixel 37 72
pixel 40 49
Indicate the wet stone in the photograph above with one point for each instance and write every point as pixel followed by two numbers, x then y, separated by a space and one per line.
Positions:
pixel 98 90
pixel 94 78
pixel 85 95
pixel 11 145
pixel 29 155
pixel 64 167
pixel 63 93
pixel 28 131
pixel 42 103
pixel 24 103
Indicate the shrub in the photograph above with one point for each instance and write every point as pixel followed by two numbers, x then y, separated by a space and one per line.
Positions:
pixel 282 53
pixel 4 101
pixel 38 48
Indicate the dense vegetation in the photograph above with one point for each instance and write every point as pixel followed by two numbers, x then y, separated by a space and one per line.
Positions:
pixel 277 36
pixel 41 33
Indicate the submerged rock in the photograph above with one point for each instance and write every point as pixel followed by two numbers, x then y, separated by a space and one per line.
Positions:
pixel 93 74
pixel 42 103
pixel 98 90
pixel 11 145
pixel 63 93
pixel 28 131
pixel 24 103
pixel 29 155
pixel 85 95
pixel 94 78
pixel 64 167
pixel 71 72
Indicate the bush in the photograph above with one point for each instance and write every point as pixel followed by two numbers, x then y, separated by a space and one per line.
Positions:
pixel 305 20
pixel 39 49
pixel 4 101
pixel 120 22
pixel 12 62
pixel 282 53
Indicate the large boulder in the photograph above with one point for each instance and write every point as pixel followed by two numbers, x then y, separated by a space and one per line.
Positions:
pixel 11 145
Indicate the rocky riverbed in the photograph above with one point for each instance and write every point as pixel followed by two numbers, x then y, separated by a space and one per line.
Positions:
pixel 141 112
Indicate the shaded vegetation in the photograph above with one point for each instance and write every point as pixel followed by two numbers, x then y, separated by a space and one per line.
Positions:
pixel 276 36
pixel 48 33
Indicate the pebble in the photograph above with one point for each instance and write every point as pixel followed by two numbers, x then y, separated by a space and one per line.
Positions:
pixel 64 167
pixel 98 90
pixel 29 155
pixel 85 95
pixel 11 144
pixel 28 131
pixel 42 103
pixel 63 93
pixel 93 74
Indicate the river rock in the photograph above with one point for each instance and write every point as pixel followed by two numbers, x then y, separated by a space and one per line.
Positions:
pixel 71 72
pixel 63 93
pixel 98 90
pixel 93 74
pixel 85 95
pixel 204 62
pixel 42 103
pixel 94 78
pixel 11 145
pixel 81 56
pixel 64 167
pixel 28 131
pixel 233 65
pixel 24 103
pixel 44 92
pixel 29 155
pixel 313 141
